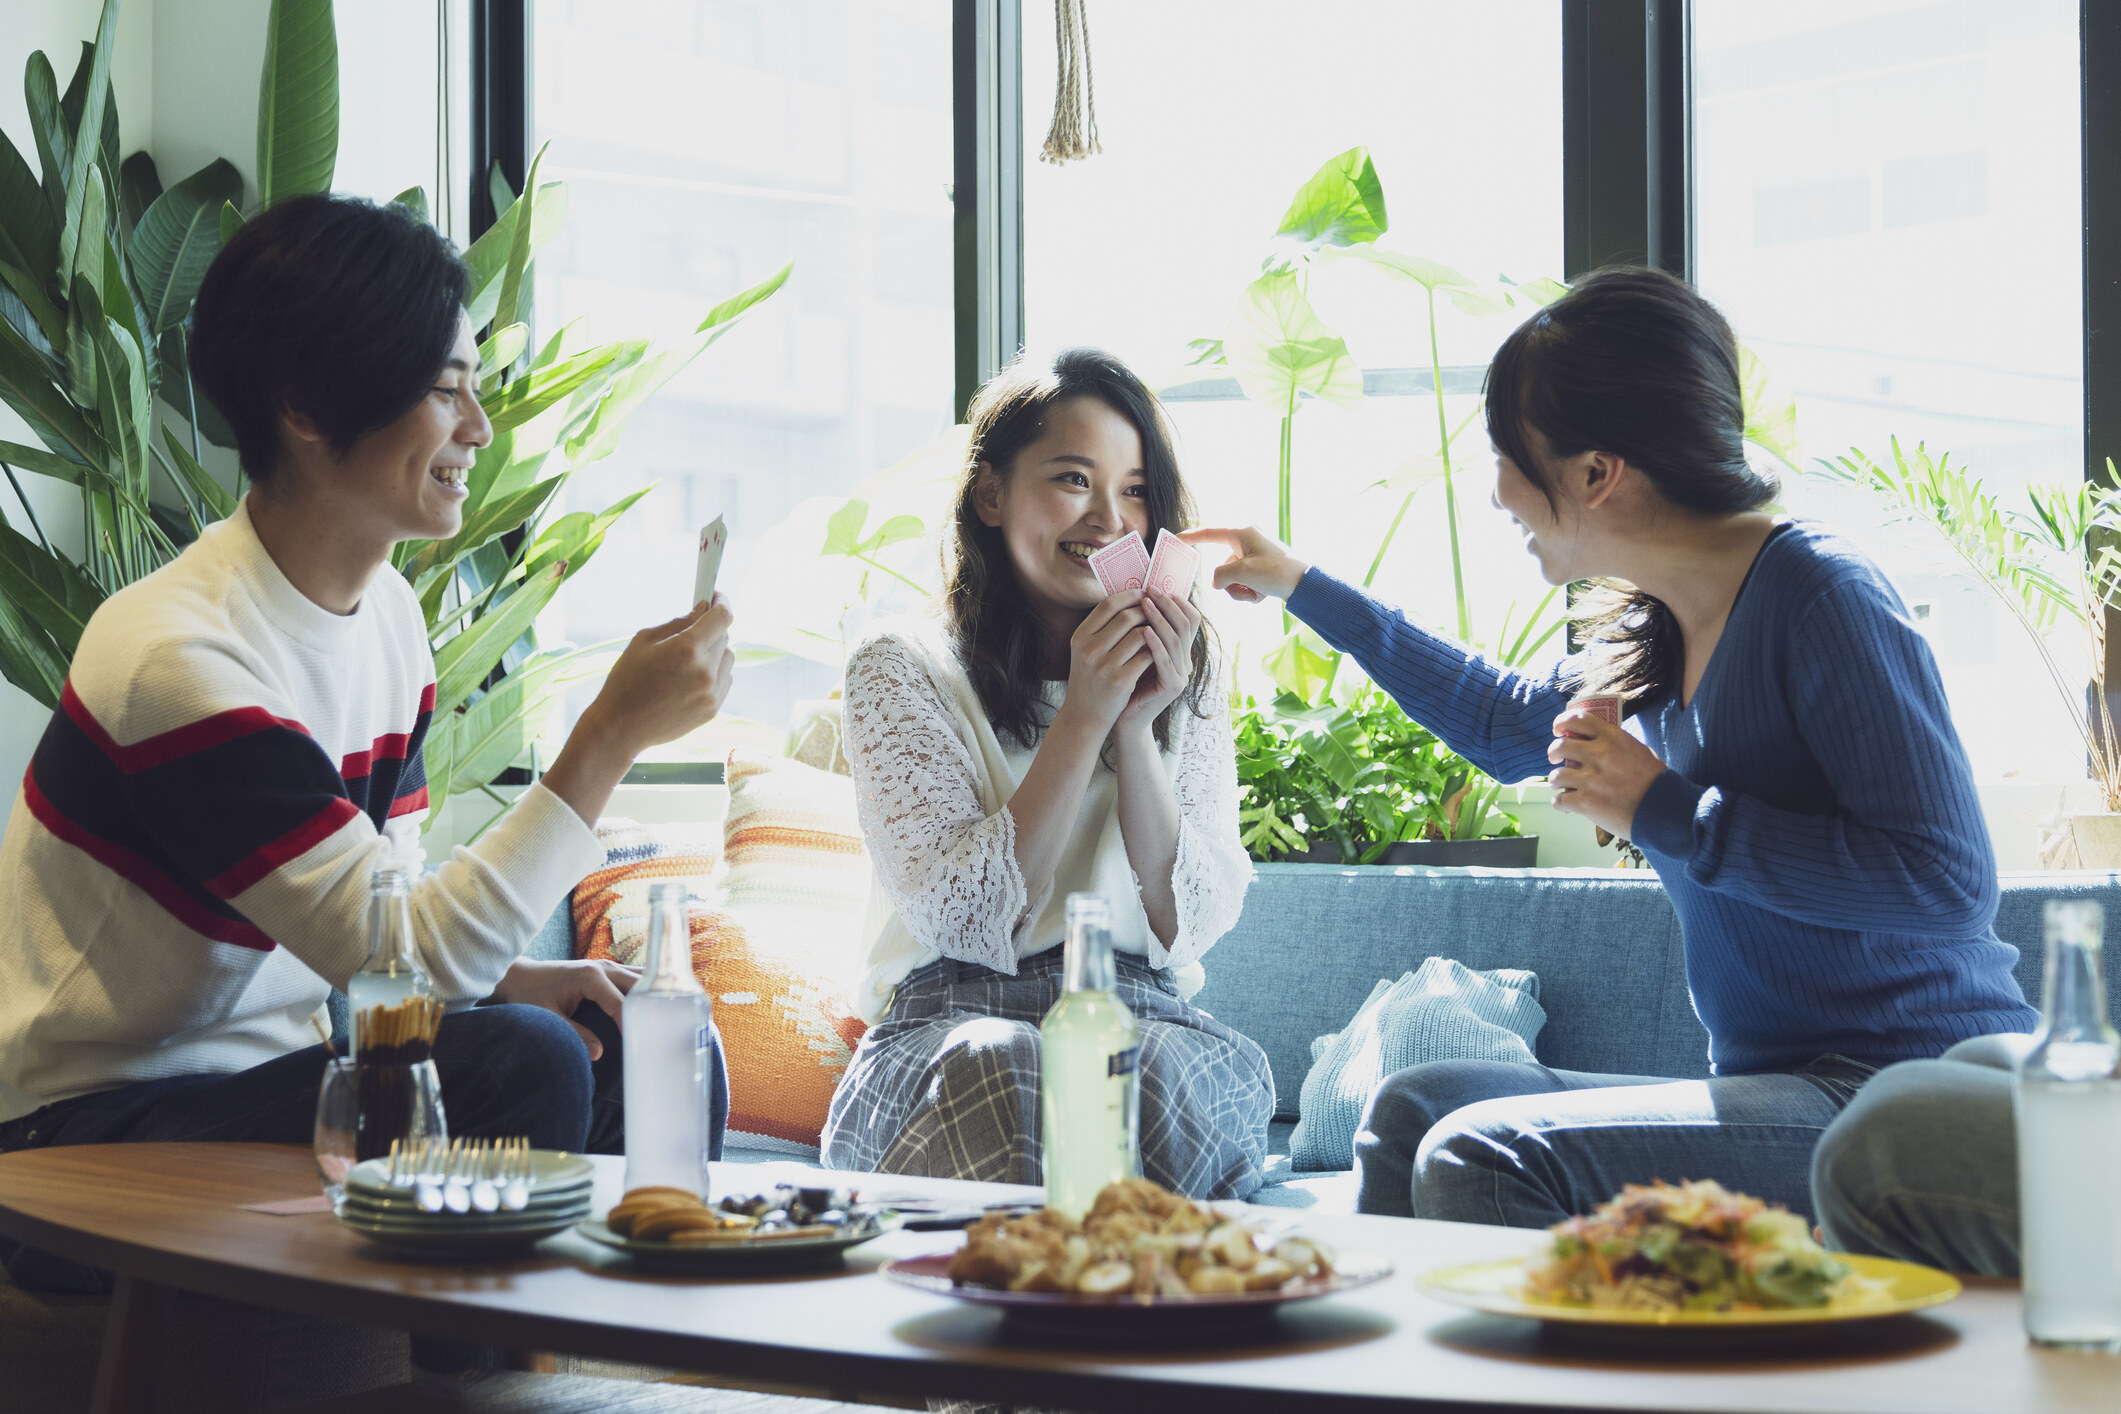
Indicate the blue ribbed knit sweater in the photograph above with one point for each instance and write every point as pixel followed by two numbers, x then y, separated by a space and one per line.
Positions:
pixel 1816 828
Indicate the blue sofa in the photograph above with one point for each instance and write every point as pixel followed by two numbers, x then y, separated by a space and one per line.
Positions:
pixel 1314 938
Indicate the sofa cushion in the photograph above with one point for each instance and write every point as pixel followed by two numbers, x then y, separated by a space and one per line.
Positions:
pixel 1443 1010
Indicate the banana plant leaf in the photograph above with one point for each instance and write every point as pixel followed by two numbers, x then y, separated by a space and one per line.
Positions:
pixel 27 384
pixel 573 539
pixel 496 731
pixel 298 101
pixel 29 237
pixel 198 483
pixel 488 256
pixel 47 588
pixel 463 662
pixel 73 104
pixel 47 320
pixel 28 657
pixel 42 462
pixel 40 93
pixel 80 222
pixel 138 186
pixel 177 238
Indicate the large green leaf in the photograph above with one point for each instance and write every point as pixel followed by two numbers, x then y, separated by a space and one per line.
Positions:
pixel 122 400
pixel 725 313
pixel 573 539
pixel 178 237
pixel 40 93
pixel 463 662
pixel 75 100
pixel 138 186
pixel 501 350
pixel 1279 348
pixel 414 199
pixel 1770 413
pixel 600 438
pixel 27 384
pixel 494 732
pixel 29 237
pixel 526 397
pixel 1343 204
pixel 28 657
pixel 497 517
pixel 88 135
pixel 298 101
pixel 488 257
pixel 47 587
pixel 49 321
pixel 507 306
pixel 43 462
pixel 210 493
pixel 1426 273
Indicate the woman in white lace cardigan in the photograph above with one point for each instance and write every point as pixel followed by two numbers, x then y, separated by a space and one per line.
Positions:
pixel 1041 739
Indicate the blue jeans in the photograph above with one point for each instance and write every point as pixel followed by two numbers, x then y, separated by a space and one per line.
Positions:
pixel 1923 1166
pixel 505 1070
pixel 1518 1145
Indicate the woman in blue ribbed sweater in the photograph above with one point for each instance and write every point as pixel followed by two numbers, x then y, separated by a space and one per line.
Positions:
pixel 1789 767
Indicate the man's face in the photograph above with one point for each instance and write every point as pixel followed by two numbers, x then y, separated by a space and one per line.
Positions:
pixel 408 477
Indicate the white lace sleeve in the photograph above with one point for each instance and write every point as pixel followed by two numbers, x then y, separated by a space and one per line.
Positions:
pixel 948 867
pixel 1212 871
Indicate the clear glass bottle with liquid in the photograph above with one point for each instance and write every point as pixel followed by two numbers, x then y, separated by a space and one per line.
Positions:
pixel 392 973
pixel 1089 1069
pixel 669 1070
pixel 2069 1145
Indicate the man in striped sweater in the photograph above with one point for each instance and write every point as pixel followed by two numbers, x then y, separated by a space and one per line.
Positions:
pixel 239 746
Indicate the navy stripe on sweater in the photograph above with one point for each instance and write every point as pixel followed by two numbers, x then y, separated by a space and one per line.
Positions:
pixel 1817 830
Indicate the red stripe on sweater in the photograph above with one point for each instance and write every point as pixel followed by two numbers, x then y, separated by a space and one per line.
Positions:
pixel 292 845
pixel 388 747
pixel 143 875
pixel 187 740
pixel 407 803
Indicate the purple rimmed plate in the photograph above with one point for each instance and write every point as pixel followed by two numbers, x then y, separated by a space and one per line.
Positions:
pixel 1137 1319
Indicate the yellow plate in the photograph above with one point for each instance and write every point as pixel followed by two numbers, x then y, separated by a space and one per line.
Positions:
pixel 1883 1288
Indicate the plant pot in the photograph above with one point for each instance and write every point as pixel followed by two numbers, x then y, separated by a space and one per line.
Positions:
pixel 1500 852
pixel 2084 842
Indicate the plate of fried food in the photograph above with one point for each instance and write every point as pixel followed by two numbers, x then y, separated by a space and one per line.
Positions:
pixel 1143 1262
pixel 1690 1257
pixel 781 1230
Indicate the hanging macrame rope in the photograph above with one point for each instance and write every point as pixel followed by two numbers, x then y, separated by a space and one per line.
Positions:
pixel 1073 135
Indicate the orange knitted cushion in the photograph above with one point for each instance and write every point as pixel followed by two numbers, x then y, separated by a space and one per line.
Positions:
pixel 774 949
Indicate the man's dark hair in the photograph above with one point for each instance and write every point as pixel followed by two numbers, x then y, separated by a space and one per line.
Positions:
pixel 331 306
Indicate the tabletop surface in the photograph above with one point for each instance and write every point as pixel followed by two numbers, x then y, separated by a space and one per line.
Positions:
pixel 170 1213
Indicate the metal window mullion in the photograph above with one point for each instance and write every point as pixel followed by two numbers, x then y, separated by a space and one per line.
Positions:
pixel 1627 135
pixel 988 193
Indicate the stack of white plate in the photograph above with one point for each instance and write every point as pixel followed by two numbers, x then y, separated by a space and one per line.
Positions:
pixel 395 1214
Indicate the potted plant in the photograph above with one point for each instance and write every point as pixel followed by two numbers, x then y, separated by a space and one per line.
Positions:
pixel 2055 563
pixel 98 269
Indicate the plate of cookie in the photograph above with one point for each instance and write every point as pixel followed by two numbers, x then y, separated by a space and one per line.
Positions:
pixel 784 1229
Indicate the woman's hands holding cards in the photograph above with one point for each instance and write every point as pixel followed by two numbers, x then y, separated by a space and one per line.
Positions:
pixel 1602 772
pixel 1259 566
pixel 1106 658
pixel 1169 628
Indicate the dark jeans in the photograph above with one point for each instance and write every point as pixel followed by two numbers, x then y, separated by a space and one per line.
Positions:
pixel 505 1071
pixel 1526 1146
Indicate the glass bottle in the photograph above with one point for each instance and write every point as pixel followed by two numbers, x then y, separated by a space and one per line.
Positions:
pixel 392 973
pixel 667 1022
pixel 2069 1145
pixel 1089 1069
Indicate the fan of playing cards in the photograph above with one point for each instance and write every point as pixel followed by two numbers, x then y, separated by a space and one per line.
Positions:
pixel 1126 564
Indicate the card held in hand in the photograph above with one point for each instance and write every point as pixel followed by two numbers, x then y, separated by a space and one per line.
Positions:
pixel 1604 706
pixel 1122 565
pixel 1173 567
pixel 713 536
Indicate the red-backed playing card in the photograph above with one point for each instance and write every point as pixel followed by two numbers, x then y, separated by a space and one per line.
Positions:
pixel 1124 564
pixel 1173 568
pixel 1604 706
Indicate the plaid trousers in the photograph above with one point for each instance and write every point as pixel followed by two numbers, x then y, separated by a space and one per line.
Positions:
pixel 946 1085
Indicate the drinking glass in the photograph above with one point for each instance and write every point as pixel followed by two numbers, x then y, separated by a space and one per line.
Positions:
pixel 362 1108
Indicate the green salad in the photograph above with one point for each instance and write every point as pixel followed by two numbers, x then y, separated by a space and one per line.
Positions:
pixel 1686 1247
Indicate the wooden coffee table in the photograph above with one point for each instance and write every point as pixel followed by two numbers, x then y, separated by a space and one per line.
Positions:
pixel 167 1216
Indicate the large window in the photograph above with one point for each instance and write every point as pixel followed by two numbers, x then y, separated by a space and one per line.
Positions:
pixel 1208 130
pixel 706 142
pixel 1889 211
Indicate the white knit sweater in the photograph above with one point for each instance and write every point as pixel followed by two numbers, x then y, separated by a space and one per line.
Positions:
pixel 186 867
pixel 931 783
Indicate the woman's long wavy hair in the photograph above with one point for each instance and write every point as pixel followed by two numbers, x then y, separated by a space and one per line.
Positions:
pixel 1006 649
pixel 1636 363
